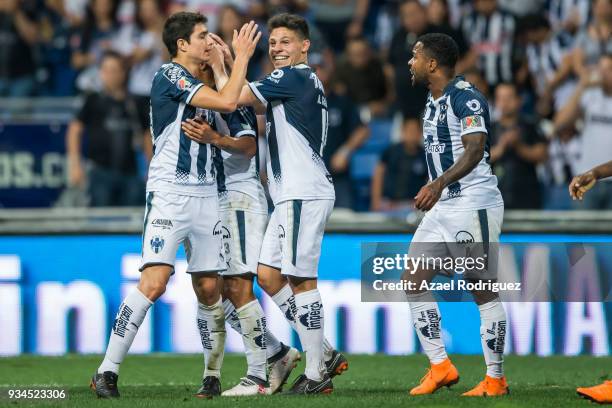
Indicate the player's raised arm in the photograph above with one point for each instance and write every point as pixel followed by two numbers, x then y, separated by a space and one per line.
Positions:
pixel 201 132
pixel 226 100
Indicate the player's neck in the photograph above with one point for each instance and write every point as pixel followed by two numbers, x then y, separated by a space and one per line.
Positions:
pixel 437 84
pixel 193 66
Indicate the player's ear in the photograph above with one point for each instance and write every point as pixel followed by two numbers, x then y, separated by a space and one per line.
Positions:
pixel 305 46
pixel 433 64
pixel 181 44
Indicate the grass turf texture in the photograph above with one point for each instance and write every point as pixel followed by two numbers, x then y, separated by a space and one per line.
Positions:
pixel 377 381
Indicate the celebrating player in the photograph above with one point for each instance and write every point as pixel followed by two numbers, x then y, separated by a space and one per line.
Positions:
pixel 463 204
pixel 582 183
pixel 302 191
pixel 244 216
pixel 181 196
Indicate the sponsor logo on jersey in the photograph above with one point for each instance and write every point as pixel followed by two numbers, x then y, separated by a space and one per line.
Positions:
pixel 122 319
pixel 464 237
pixel 471 122
pixel 220 229
pixel 183 84
pixel 313 316
pixel 277 74
pixel 157 244
pixel 435 148
pixel 162 223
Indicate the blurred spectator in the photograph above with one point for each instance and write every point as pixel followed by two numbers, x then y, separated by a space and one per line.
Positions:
pixel 401 172
pixel 474 77
pixel 141 44
pixel 517 148
pixel 230 19
pixel 56 27
pixel 346 133
pixel 410 98
pixel 113 126
pixel 521 8
pixel 210 8
pixel 93 39
pixel 549 62
pixel 18 35
pixel 596 39
pixel 362 74
pixel 563 155
pixel 438 16
pixel 340 20
pixel 592 101
pixel 568 15
pixel 490 33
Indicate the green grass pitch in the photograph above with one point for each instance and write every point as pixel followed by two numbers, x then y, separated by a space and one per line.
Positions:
pixel 376 381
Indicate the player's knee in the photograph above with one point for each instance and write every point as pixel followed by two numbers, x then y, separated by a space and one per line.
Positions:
pixel 207 289
pixel 152 289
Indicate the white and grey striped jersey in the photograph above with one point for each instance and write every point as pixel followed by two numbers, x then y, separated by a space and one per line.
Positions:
pixel 461 110
pixel 492 37
pixel 545 58
pixel 560 11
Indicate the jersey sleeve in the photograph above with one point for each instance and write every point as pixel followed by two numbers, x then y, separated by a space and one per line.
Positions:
pixel 472 111
pixel 84 114
pixel 241 122
pixel 280 85
pixel 176 84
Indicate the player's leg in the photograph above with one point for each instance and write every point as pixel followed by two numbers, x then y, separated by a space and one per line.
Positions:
pixel 159 246
pixel 203 248
pixel 492 313
pixel 424 310
pixel 304 224
pixel 238 289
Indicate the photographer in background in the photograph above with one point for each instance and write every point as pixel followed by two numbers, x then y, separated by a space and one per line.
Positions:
pixel 114 126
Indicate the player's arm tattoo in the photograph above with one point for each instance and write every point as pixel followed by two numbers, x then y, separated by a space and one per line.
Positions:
pixel 474 145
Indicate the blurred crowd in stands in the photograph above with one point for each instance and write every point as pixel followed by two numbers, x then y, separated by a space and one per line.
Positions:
pixel 545 65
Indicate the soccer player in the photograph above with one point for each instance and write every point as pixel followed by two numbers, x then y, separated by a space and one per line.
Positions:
pixel 463 204
pixel 181 197
pixel 244 217
pixel 302 191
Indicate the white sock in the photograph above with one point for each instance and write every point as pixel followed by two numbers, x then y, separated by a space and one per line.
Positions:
pixel 129 317
pixel 273 345
pixel 308 310
pixel 284 299
pixel 253 324
pixel 427 323
pixel 493 336
pixel 211 325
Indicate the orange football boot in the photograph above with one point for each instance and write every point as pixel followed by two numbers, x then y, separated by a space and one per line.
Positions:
pixel 601 393
pixel 489 387
pixel 439 375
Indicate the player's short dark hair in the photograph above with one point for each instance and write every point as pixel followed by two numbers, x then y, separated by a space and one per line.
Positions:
pixel 291 22
pixel 180 26
pixel 532 22
pixel 442 48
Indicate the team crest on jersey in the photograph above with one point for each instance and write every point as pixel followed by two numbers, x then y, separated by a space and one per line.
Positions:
pixel 464 237
pixel 471 122
pixel 220 229
pixel 183 84
pixel 157 244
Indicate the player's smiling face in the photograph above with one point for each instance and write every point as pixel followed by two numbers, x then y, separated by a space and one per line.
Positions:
pixel 418 65
pixel 287 48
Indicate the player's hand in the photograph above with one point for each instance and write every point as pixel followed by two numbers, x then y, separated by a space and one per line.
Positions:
pixel 339 161
pixel 510 138
pixel 76 174
pixel 581 184
pixel 245 40
pixel 228 58
pixel 199 131
pixel 428 196
pixel 216 57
